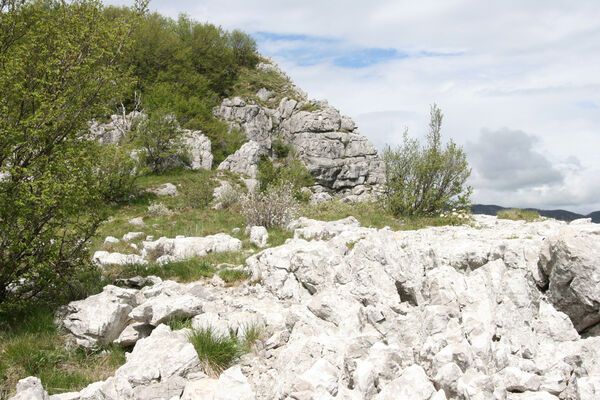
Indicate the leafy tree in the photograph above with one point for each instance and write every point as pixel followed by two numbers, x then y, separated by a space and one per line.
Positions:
pixel 159 136
pixel 424 180
pixel 58 69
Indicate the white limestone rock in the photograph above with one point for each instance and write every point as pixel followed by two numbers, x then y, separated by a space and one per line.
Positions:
pixel 167 305
pixel 259 236
pixel 134 332
pixel 128 237
pixel 198 148
pixel 233 385
pixel 244 160
pixel 100 318
pixel 111 240
pixel 162 355
pixel 30 388
pixel 167 189
pixel 102 258
pixel 413 384
pixel 187 247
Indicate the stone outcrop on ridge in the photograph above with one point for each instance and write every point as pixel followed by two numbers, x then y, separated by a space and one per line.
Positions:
pixel 498 310
pixel 328 143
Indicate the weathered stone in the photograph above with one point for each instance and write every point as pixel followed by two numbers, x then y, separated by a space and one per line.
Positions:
pixel 259 236
pixel 167 305
pixel 30 388
pixel 101 318
pixel 187 247
pixel 128 237
pixel 102 258
pixel 244 160
pixel 167 189
pixel 233 385
pixel 197 148
pixel 134 332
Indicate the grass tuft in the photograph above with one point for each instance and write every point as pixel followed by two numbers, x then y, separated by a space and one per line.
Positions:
pixel 216 353
pixel 517 214
pixel 177 323
pixel 233 276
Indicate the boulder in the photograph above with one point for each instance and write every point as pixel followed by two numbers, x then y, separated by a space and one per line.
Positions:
pixel 165 306
pixel 128 237
pixel 244 160
pixel 100 318
pixel 259 236
pixel 574 277
pixel 233 385
pixel 165 354
pixel 198 149
pixel 30 388
pixel 167 189
pixel 102 258
pixel 187 247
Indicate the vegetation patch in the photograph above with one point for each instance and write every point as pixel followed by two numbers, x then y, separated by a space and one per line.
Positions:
pixel 233 277
pixel 251 80
pixel 517 214
pixel 217 353
pixel 310 107
pixel 31 345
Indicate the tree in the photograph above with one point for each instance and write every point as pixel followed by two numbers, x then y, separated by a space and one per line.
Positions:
pixel 424 180
pixel 58 70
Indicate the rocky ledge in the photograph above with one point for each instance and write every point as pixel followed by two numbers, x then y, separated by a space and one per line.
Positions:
pixel 494 310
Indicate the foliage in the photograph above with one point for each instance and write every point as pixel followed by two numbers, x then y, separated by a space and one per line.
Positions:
pixel 292 174
pixel 424 180
pixel 217 353
pixel 183 271
pixel 159 137
pixel 188 67
pixel 177 323
pixel 517 214
pixel 118 170
pixel 310 107
pixel 251 80
pixel 275 207
pixel 198 193
pixel 158 210
pixel 280 148
pixel 229 196
pixel 58 69
pixel 233 276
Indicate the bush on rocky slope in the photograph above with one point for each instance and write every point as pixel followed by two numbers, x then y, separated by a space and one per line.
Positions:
pixel 425 180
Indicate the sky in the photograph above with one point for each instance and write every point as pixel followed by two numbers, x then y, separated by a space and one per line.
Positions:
pixel 518 81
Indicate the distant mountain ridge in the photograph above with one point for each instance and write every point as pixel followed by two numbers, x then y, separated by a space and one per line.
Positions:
pixel 562 215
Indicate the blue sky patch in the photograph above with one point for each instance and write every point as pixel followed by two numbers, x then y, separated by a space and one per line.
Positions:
pixel 587 105
pixel 306 50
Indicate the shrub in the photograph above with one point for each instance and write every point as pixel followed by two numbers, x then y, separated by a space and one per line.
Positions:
pixel 516 214
pixel 158 210
pixel 119 172
pixel 160 137
pixel 424 180
pixel 198 193
pixel 292 174
pixel 229 196
pixel 280 149
pixel 272 208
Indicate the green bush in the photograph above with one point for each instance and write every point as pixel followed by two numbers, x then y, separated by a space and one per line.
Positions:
pixel 425 180
pixel 280 148
pixel 159 136
pixel 292 174
pixel 58 72
pixel 198 193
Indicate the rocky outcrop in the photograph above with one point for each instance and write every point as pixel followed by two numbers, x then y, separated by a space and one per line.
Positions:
pixel 166 250
pixel 489 310
pixel 328 143
pixel 196 149
pixel 245 159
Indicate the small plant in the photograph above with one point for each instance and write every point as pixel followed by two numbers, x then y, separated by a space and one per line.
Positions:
pixel 275 207
pixel 292 174
pixel 229 196
pixel 310 107
pixel 280 149
pixel 517 214
pixel 252 333
pixel 233 276
pixel 177 323
pixel 198 194
pixel 216 353
pixel 158 210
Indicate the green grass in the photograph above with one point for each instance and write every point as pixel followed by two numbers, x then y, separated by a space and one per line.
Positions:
pixel 374 215
pixel 178 323
pixel 233 276
pixel 310 107
pixel 182 271
pixel 251 81
pixel 517 214
pixel 30 344
pixel 216 353
pixel 219 353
